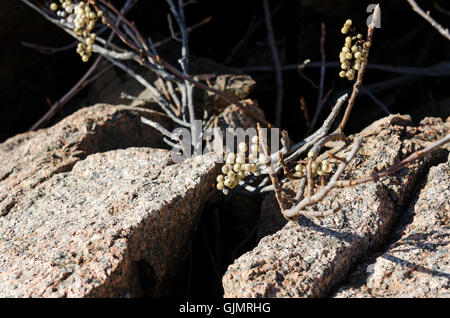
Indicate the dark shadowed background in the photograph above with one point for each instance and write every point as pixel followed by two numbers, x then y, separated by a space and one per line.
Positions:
pixel 31 81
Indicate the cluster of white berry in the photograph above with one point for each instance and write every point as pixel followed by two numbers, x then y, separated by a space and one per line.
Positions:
pixel 238 166
pixel 318 168
pixel 81 17
pixel 353 53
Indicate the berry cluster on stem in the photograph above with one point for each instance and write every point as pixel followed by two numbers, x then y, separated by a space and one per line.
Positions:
pixel 354 52
pixel 82 18
pixel 240 165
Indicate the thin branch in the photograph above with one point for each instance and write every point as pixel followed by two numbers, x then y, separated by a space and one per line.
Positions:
pixel 190 29
pixel 400 165
pixel 319 145
pixel 156 64
pixel 300 191
pixel 80 84
pixel 294 212
pixel 49 50
pixel 158 127
pixel 276 61
pixel 320 214
pixel 309 179
pixel 441 9
pixel 376 100
pixel 56 107
pixel 297 209
pixel 305 114
pixel 322 76
pixel 156 94
pixel 250 30
pixel 273 176
pixel 285 167
pixel 188 101
pixel 352 100
pixel 308 142
pixel 173 35
pixel 430 20
pixel 157 59
pixel 437 70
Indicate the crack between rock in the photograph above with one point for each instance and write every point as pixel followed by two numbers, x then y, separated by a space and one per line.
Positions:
pixel 390 238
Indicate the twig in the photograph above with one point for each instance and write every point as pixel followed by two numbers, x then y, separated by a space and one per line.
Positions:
pixel 438 6
pixel 297 209
pixel 190 29
pixel 187 101
pixel 319 145
pixel 430 20
pixel 156 95
pixel 72 92
pixel 276 61
pixel 376 100
pixel 309 179
pixel 171 29
pixel 305 114
pixel 351 101
pixel 300 191
pixel 80 84
pixel 308 142
pixel 250 30
pixel 400 165
pixel 47 49
pixel 157 60
pixel 157 126
pixel 322 76
pixel 273 176
pixel 294 212
pixel 437 70
pixel 285 167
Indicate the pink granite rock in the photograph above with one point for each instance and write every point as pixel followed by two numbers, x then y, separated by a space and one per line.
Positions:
pixel 81 217
pixel 417 263
pixel 313 256
pixel 30 158
pixel 88 232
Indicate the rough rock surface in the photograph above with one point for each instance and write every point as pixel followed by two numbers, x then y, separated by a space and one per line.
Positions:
pixel 313 256
pixel 29 159
pixel 117 219
pixel 417 263
pixel 81 217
